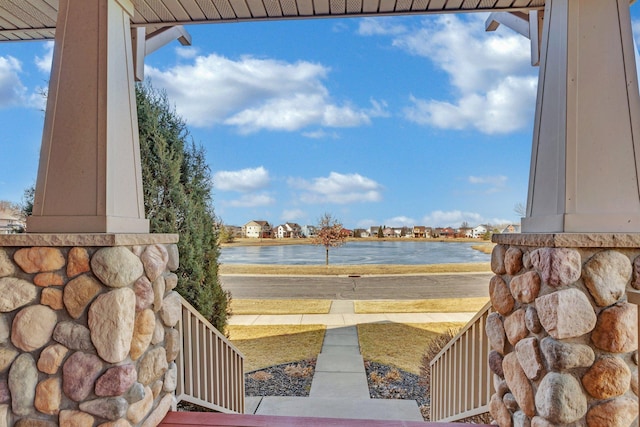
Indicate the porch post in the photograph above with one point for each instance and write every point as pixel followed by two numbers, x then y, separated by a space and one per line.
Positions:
pixel 586 147
pixel 89 177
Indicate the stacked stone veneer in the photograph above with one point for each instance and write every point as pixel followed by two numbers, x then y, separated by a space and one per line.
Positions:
pixel 563 336
pixel 88 334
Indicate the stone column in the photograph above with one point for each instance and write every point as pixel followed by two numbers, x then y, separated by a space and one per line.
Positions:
pixel 88 329
pixel 563 335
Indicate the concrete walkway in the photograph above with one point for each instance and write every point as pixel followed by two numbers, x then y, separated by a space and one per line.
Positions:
pixel 339 388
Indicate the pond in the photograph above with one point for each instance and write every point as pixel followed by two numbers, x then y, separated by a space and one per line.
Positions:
pixel 385 252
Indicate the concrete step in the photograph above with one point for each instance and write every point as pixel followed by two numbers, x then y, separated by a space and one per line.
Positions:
pixel 341 407
pixel 349 385
pixel 337 361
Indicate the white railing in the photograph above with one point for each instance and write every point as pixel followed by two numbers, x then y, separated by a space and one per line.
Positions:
pixel 461 381
pixel 210 368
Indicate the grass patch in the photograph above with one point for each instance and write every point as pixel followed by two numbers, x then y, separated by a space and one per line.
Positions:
pixel 268 345
pixel 485 248
pixel 398 344
pixel 359 270
pixel 280 306
pixel 443 305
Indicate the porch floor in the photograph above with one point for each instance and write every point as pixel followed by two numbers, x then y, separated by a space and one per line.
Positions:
pixel 214 419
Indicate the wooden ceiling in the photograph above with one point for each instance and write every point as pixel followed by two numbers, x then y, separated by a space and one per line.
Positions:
pixel 36 19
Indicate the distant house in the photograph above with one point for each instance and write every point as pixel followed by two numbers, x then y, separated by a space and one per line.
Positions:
pixel 308 230
pixel 257 229
pixel 465 232
pixel 388 232
pixel 512 228
pixel 373 231
pixel 11 221
pixel 360 232
pixel 288 230
pixel 346 232
pixel 419 231
pixel 479 231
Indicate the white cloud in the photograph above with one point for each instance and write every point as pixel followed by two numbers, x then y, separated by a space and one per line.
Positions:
pixel 380 26
pixel 253 94
pixel 292 214
pixel 495 85
pixel 455 218
pixel 12 91
pixel 321 134
pixel 366 223
pixel 338 188
pixel 400 221
pixel 495 183
pixel 244 180
pixel 187 52
pixel 44 62
pixel 251 200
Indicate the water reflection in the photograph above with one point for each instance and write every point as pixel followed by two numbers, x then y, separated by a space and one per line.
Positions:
pixel 385 252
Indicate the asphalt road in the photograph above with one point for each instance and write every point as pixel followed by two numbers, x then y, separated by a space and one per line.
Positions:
pixel 358 288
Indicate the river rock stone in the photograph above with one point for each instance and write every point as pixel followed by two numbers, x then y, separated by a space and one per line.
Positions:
pixel 14 293
pixel 557 266
pixel 617 329
pixel 513 261
pixel 138 410
pixel 143 329
pixel 566 313
pixel 6 266
pixel 560 399
pixel 172 344
pixel 510 402
pixel 78 293
pixel 635 281
pixel 51 358
pixel 620 412
pixel 515 327
pixel 5 394
pixel 73 335
pixel 528 354
pixel 171 378
pixel 159 289
pixel 144 293
pixel 111 320
pixel 39 259
pixel 72 418
pixel 170 281
pixel 500 295
pixel 634 381
pixel 561 356
pixel 48 396
pixel 174 257
pixel 32 327
pixel 154 259
pixel 23 378
pixel 532 320
pixel 495 333
pixel 606 275
pixel 499 411
pixel 52 298
pixel 156 388
pixel 171 311
pixel 495 363
pixel 77 262
pixel 160 412
pixel 116 267
pixel 116 381
pixel 7 356
pixel 110 408
pixel 32 422
pixel 5 329
pixel 525 287
pixel 152 366
pixel 518 384
pixel 541 422
pixel 117 423
pixel 158 333
pixel 608 377
pixel 520 419
pixel 79 374
pixel 48 279
pixel 497 259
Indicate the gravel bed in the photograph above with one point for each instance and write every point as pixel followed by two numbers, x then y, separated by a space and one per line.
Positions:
pixel 289 379
pixel 387 382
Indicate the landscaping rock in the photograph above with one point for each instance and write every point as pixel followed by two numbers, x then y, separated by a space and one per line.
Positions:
pixel 562 356
pixel 33 327
pixel 557 266
pixel 78 293
pixel 566 313
pixel 606 275
pixel 559 398
pixel 608 377
pixel 38 259
pixel 617 329
pixel 116 267
pixel 14 293
pixel 525 287
pixel 111 320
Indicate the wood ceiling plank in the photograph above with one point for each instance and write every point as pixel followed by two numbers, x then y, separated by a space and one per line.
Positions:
pixel 503 3
pixel 305 7
pixel 470 4
pixel 486 4
pixel 273 8
pixel 289 7
pixel 537 3
pixel 46 9
pixel 453 5
pixel 209 9
pixel 161 10
pixel 11 17
pixel 354 6
pixel 6 25
pixel 338 7
pixel 321 7
pixel 144 13
pixel 521 3
pixel 240 9
pixel 419 5
pixel 177 10
pixel 370 6
pixel 403 5
pixel 193 10
pixel 257 8
pixel 437 4
pixel 387 6
pixel 224 9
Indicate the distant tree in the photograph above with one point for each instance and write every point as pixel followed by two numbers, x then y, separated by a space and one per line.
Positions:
pixel 380 232
pixel 520 209
pixel 464 224
pixel 330 234
pixel 225 235
pixel 27 200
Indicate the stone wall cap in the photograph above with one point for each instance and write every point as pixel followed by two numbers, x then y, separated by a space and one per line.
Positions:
pixel 87 239
pixel 570 240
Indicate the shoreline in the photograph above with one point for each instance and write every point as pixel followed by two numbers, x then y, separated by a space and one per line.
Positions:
pixel 246 241
pixel 353 270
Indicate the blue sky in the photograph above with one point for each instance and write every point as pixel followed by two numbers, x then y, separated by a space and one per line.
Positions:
pixel 423 120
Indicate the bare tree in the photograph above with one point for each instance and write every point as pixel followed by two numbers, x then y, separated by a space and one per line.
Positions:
pixel 520 210
pixel 330 234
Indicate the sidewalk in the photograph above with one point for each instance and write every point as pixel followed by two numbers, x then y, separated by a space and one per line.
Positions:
pixel 339 388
